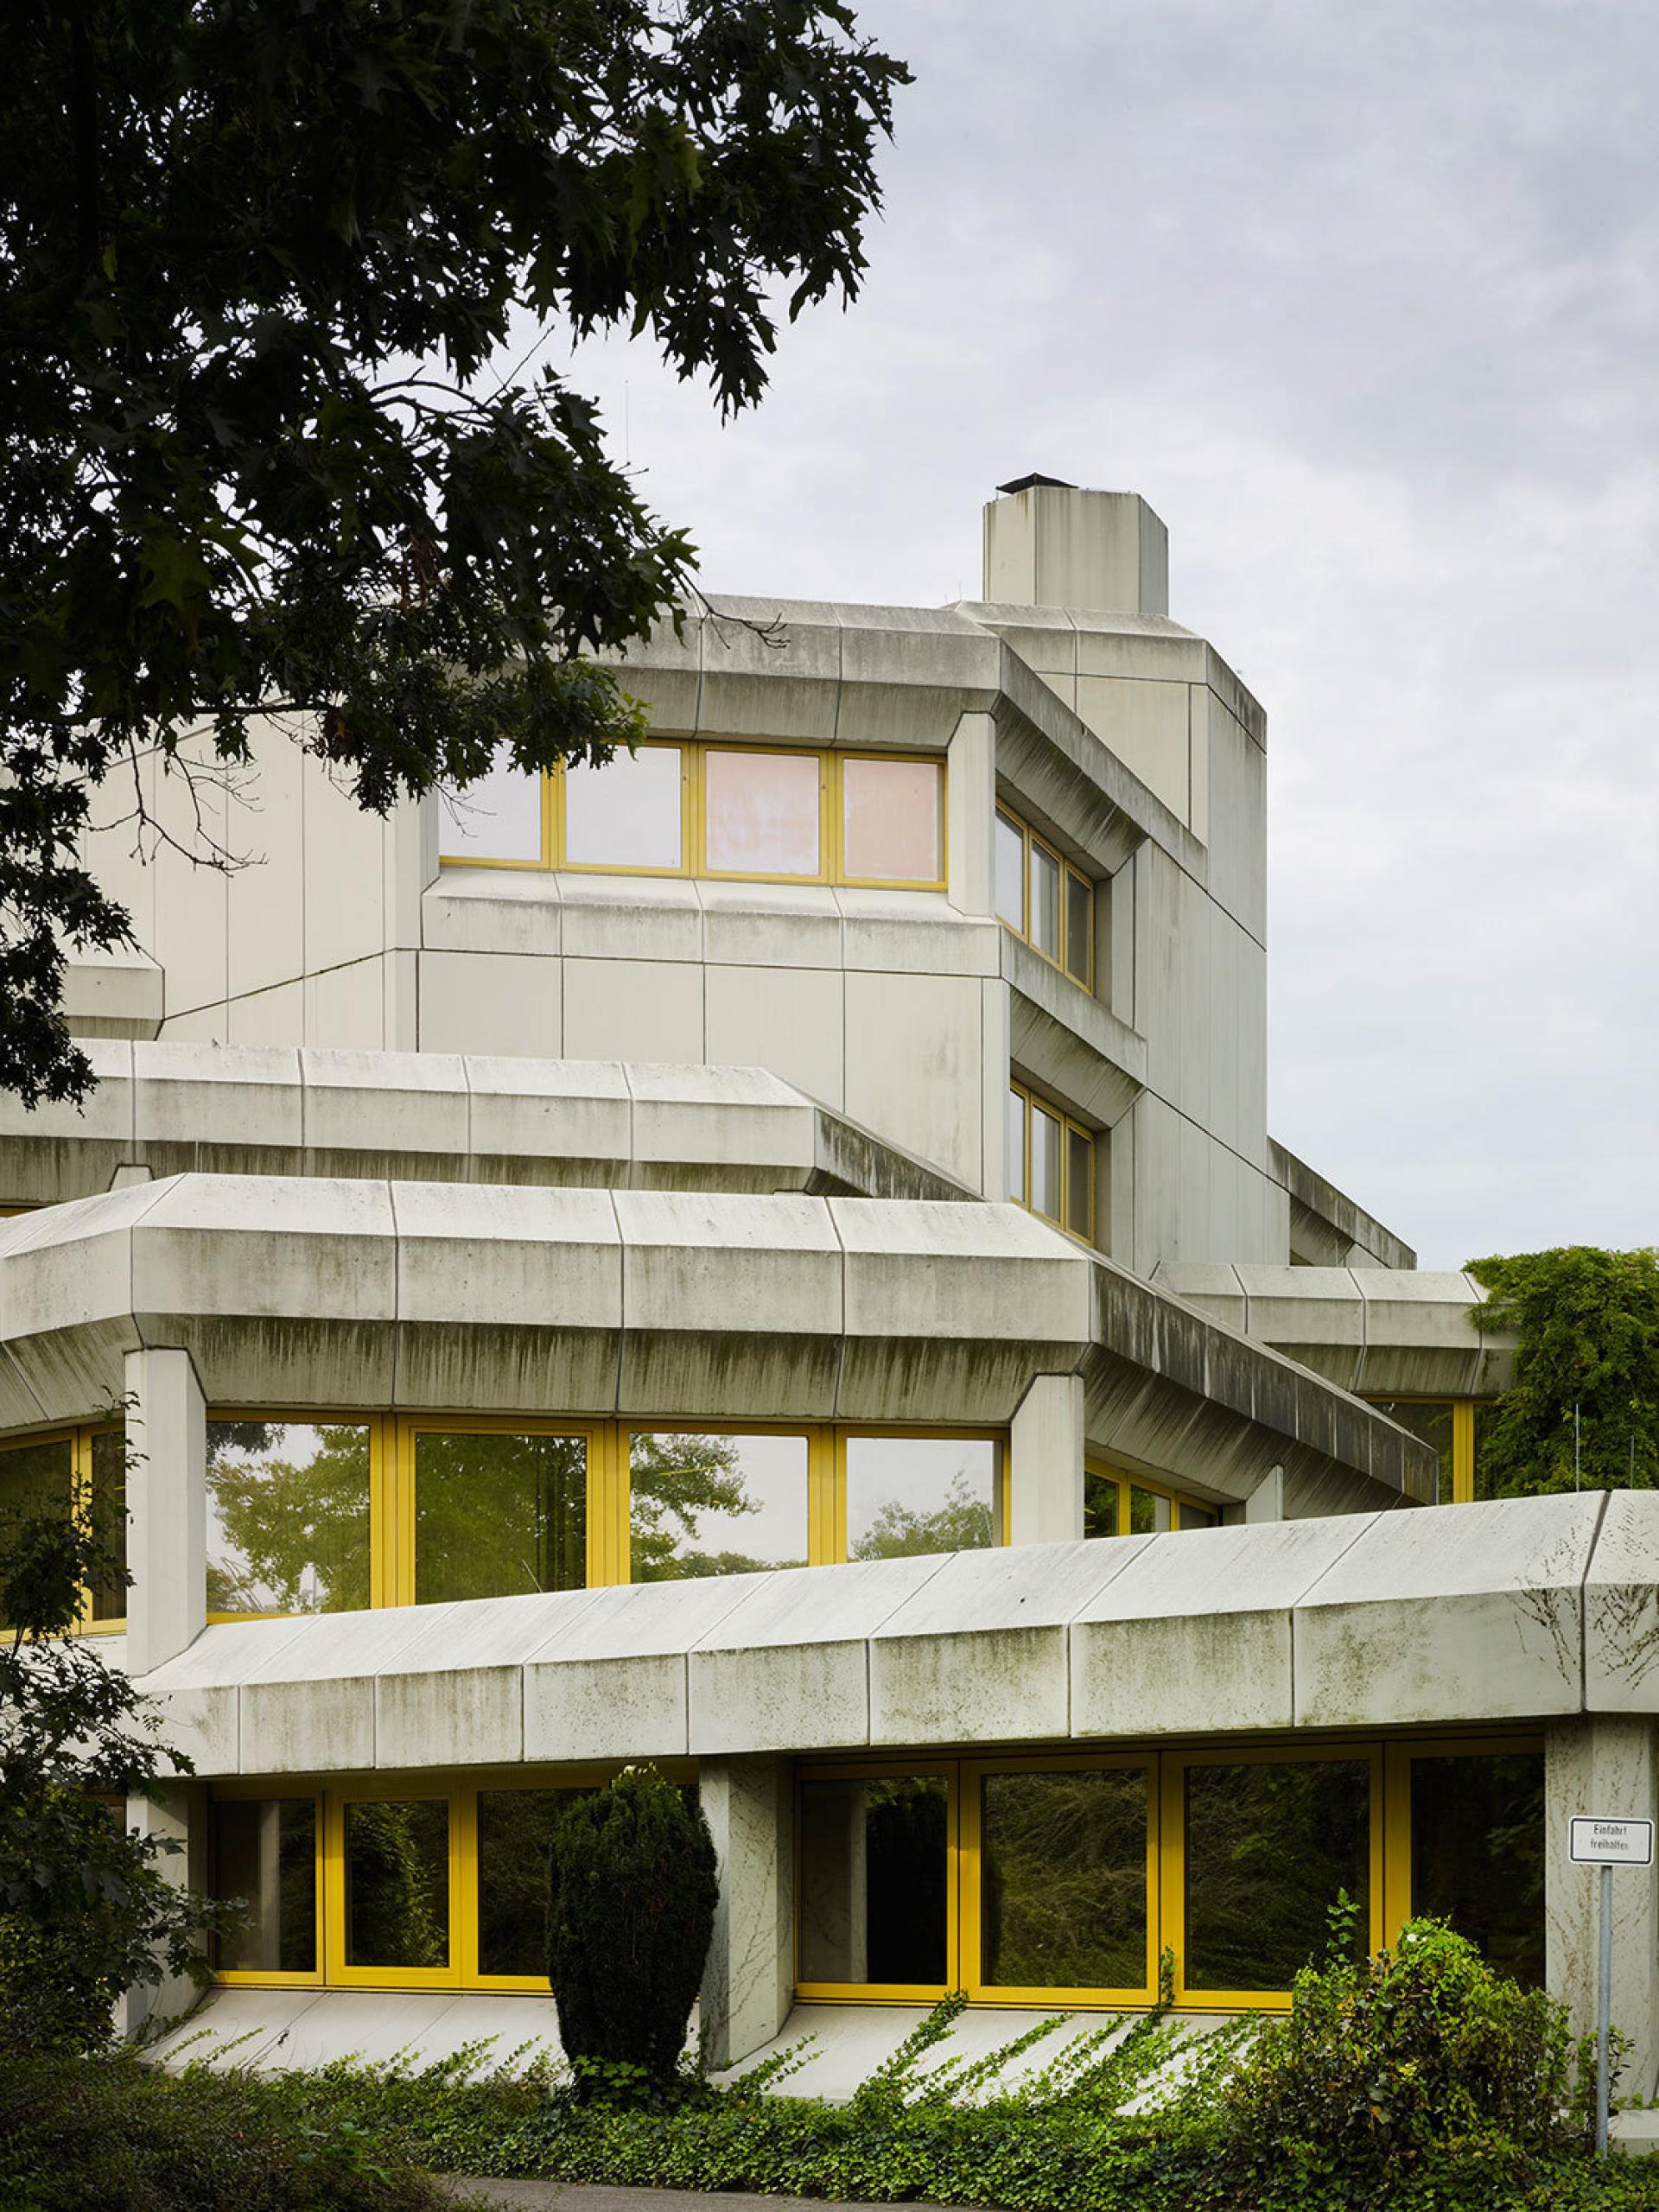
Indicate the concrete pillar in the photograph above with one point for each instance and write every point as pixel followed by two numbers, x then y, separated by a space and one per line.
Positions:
pixel 1604 1765
pixel 179 1817
pixel 971 816
pixel 166 1499
pixel 748 1983
pixel 1045 1462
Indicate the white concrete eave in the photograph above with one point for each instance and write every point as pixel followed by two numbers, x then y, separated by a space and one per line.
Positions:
pixel 1462 1614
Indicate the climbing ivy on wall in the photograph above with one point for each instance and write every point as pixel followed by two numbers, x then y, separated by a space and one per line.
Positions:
pixel 1586 1323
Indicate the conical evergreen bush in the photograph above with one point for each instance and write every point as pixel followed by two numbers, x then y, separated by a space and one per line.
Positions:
pixel 630 1914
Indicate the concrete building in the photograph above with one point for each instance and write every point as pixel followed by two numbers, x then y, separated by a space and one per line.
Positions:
pixel 770 1257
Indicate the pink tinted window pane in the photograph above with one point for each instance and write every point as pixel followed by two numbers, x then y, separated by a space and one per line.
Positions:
pixel 762 813
pixel 627 814
pixel 497 818
pixel 890 827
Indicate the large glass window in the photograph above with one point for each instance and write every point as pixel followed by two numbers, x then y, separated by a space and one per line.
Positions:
pixel 515 1836
pixel 497 818
pixel 1477 1852
pixel 107 1505
pixel 874 1905
pixel 1044 898
pixel 80 1470
pixel 1011 872
pixel 1116 1504
pixel 715 1505
pixel 1051 1162
pixel 628 814
pixel 396 1860
pixel 288 1516
pixel 498 1515
pixel 265 1851
pixel 761 815
pixel 1063 1895
pixel 892 821
pixel 1270 1843
pixel 911 1494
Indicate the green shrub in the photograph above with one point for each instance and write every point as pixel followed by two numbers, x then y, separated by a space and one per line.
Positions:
pixel 630 1915
pixel 110 2134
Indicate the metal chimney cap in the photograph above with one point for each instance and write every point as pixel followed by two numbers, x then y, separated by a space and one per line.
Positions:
pixel 1032 483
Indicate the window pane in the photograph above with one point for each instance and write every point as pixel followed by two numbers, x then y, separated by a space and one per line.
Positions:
pixel 1478 1853
pixel 1486 1414
pixel 1045 1139
pixel 109 1518
pixel 1149 1514
pixel 496 1516
pixel 397 1883
pixel 1197 1516
pixel 1011 872
pixel 910 1494
pixel 891 820
pixel 1079 926
pixel 627 814
pixel 1268 1845
pixel 1433 1424
pixel 1079 1183
pixel 515 1832
pixel 1064 1874
pixel 873 1881
pixel 38 1477
pixel 715 1505
pixel 1017 1147
pixel 1099 1505
pixel 288 1516
pixel 497 818
pixel 1045 901
pixel 265 1852
pixel 761 813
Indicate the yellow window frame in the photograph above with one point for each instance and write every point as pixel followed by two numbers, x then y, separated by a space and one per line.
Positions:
pixel 694 752
pixel 1124 1482
pixel 79 1436
pixel 606 1506
pixel 1463 1436
pixel 1033 839
pixel 1033 1102
pixel 969 1872
pixel 264 1792
pixel 1399 1754
pixel 379 1499
pixel 887 1993
pixel 1001 1501
pixel 820 1475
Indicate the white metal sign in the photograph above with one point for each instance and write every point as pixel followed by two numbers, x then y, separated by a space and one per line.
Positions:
pixel 1610 1843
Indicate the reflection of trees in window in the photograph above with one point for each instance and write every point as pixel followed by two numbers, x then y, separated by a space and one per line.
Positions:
pixel 1268 1845
pixel 515 1831
pixel 905 1836
pixel 397 1884
pixel 961 1523
pixel 675 1481
pixel 291 1504
pixel 1478 1853
pixel 265 1852
pixel 1063 1868
pixel 497 1516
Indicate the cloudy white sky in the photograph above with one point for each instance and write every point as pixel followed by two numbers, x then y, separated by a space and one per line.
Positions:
pixel 1365 300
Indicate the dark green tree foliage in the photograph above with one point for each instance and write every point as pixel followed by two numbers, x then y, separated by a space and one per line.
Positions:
pixel 633 1891
pixel 1588 1327
pixel 85 1909
pixel 256 257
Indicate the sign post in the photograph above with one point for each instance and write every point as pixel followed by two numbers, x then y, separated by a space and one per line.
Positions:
pixel 1606 1844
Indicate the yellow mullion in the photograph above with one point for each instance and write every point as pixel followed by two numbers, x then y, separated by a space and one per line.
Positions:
pixel 390 1791
pixel 826 1498
pixel 610 1491
pixel 1397 1840
pixel 553 817
pixel 463 1885
pixel 1462 1451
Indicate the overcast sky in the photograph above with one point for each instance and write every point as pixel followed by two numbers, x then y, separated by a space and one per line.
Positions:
pixel 1365 300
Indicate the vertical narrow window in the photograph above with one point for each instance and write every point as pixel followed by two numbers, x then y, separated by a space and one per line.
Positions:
pixel 873 1858
pixel 1149 1513
pixel 397 1882
pixel 1100 1512
pixel 1017 1189
pixel 1010 872
pixel 913 1494
pixel 499 1516
pixel 1079 927
pixel 1270 1843
pixel 265 1851
pixel 715 1505
pixel 107 1510
pixel 1045 901
pixel 628 814
pixel 761 814
pixel 497 818
pixel 1478 1853
pixel 892 821
pixel 1046 1162
pixel 288 1516
pixel 515 1836
pixel 1063 1875
pixel 1079 1182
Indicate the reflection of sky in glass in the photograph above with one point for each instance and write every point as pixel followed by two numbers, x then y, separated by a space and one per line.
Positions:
pixel 293 1444
pixel 773 1472
pixel 917 1473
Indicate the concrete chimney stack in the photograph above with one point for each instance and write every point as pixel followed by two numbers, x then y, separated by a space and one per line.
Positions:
pixel 1049 543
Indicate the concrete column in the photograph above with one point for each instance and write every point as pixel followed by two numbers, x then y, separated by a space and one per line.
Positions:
pixel 970 816
pixel 748 1983
pixel 166 1500
pixel 1606 1766
pixel 178 1817
pixel 1045 1462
